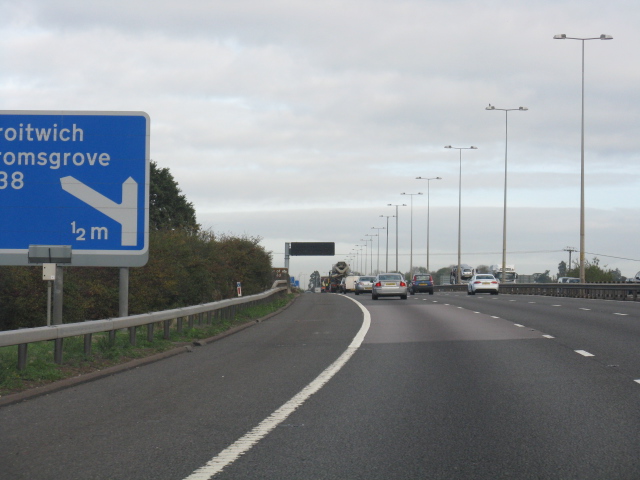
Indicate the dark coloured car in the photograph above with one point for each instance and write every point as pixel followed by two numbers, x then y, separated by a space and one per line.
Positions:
pixel 421 283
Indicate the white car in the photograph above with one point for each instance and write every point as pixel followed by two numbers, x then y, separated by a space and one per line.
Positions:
pixel 483 282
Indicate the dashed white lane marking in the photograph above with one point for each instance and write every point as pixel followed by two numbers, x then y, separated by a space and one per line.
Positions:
pixel 621 314
pixel 531 302
pixel 244 444
pixel 494 317
pixel 556 305
pixel 584 353
pixel 513 300
pixel 548 336
pixel 518 325
pixel 585 309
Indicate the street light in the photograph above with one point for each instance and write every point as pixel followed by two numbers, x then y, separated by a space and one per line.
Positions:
pixel 386 266
pixel 371 251
pixel 562 36
pixel 360 270
pixel 378 234
pixel 428 214
pixel 411 223
pixel 504 215
pixel 460 202
pixel 396 205
pixel 366 247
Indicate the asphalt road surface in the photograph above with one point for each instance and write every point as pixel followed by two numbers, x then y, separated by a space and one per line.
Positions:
pixel 440 386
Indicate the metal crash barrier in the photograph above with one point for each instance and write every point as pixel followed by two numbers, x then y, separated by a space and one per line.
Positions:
pixel 602 291
pixel 204 313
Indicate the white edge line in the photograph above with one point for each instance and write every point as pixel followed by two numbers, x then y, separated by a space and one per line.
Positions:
pixel 244 444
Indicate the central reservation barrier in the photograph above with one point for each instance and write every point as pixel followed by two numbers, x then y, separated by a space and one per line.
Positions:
pixel 602 291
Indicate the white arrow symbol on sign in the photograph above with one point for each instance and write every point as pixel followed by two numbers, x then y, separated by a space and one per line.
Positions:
pixel 125 213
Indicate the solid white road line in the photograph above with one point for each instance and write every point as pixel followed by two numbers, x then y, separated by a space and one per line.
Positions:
pixel 244 444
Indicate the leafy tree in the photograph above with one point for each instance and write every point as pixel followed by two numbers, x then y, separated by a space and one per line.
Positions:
pixel 444 272
pixel 482 269
pixel 542 277
pixel 314 280
pixel 168 206
pixel 562 269
pixel 593 272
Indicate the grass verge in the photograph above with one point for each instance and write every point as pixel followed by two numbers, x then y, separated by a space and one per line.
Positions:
pixel 41 369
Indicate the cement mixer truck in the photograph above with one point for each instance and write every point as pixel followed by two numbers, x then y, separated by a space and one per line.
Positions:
pixel 338 272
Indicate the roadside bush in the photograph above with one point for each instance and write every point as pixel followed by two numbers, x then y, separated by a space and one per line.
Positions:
pixel 184 268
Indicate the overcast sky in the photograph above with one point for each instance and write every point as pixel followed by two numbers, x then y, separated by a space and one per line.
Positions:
pixel 300 121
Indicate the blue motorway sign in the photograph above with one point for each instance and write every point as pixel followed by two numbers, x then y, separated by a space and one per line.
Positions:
pixel 78 179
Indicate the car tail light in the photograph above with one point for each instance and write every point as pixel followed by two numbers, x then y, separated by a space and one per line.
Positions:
pixel 402 284
pixel 494 282
pixel 477 281
pixel 378 284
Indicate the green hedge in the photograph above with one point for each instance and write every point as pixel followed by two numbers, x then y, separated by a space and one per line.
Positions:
pixel 183 269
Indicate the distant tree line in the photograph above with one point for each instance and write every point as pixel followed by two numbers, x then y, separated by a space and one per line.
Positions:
pixel 187 266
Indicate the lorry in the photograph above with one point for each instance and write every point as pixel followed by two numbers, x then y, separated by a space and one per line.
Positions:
pixel 466 272
pixel 338 271
pixel 510 275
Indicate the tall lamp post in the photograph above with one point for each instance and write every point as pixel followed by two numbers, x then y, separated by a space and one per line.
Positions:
pixel 411 230
pixel 428 214
pixel 504 215
pixel 365 258
pixel 371 250
pixel 396 205
pixel 366 247
pixel 459 202
pixel 562 36
pixel 378 234
pixel 386 266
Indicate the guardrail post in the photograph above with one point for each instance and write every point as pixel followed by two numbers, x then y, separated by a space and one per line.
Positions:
pixel 167 329
pixel 190 317
pixel 57 350
pixel 112 337
pixel 22 356
pixel 150 332
pixel 132 336
pixel 179 325
pixel 87 344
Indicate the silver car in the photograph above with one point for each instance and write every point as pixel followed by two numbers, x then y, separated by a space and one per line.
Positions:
pixel 389 285
pixel 364 284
